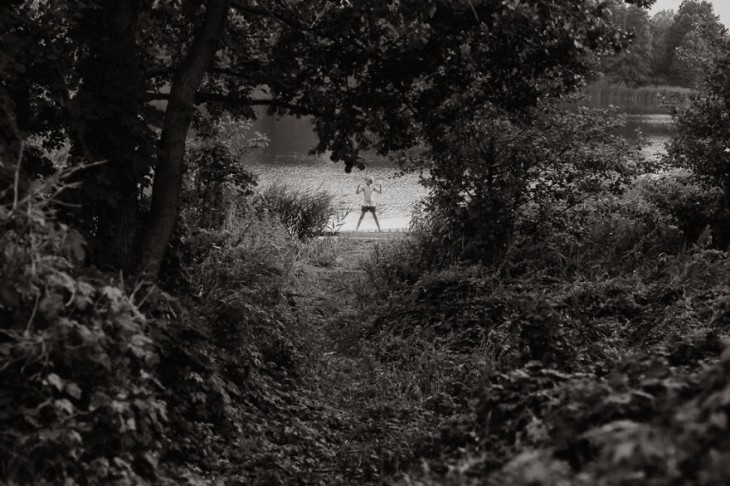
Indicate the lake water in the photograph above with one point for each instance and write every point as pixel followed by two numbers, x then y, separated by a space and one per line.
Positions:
pixel 394 206
pixel 286 160
pixel 656 129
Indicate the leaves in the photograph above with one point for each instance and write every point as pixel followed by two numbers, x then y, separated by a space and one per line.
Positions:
pixel 9 296
pixel 54 380
pixel 70 335
pixel 703 127
pixel 521 174
pixel 75 244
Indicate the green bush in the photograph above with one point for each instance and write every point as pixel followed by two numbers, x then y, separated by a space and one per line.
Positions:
pixel 693 203
pixel 214 186
pixel 394 266
pixel 613 234
pixel 702 138
pixel 79 402
pixel 584 378
pixel 645 422
pixel 251 262
pixel 305 214
pixel 499 174
pixel 657 214
pixel 217 184
pixel 232 359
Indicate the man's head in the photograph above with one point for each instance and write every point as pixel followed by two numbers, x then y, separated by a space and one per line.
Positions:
pixel 368 180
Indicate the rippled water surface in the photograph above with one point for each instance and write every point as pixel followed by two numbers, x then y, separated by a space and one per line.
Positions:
pixel 657 129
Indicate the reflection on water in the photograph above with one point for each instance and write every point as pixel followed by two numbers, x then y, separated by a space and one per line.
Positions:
pixel 288 135
pixel 650 125
pixel 644 110
pixel 656 129
pixel 291 139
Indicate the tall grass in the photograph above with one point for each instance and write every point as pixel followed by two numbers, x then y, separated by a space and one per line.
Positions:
pixel 324 251
pixel 305 213
pixel 250 262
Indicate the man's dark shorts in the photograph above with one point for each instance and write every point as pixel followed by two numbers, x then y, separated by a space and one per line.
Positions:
pixel 365 209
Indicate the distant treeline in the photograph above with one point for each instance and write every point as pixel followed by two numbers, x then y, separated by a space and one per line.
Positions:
pixel 670 48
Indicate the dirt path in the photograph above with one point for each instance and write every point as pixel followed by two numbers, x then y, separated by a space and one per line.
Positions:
pixel 342 376
pixel 332 286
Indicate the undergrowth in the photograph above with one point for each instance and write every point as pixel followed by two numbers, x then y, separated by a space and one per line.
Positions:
pixel 593 355
pixel 304 213
pixel 80 402
pixel 587 358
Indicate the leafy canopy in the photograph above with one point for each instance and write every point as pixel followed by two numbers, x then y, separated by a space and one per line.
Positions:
pixel 384 75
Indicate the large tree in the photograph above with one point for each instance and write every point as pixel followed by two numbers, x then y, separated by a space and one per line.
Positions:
pixel 690 43
pixel 702 139
pixel 632 65
pixel 660 25
pixel 373 73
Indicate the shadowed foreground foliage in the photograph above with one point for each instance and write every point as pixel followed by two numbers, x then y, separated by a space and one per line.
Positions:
pixel 80 396
pixel 593 355
pixel 591 365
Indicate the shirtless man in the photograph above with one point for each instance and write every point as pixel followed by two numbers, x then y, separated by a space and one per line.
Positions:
pixel 367 203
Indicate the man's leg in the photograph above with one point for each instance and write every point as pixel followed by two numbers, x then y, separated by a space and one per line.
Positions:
pixel 375 217
pixel 362 215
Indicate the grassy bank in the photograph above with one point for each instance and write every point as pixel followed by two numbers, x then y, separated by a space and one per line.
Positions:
pixel 590 358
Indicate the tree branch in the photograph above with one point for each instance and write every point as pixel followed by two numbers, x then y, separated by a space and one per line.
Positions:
pixel 234 100
pixel 66 103
pixel 160 71
pixel 171 70
pixel 293 23
pixel 241 101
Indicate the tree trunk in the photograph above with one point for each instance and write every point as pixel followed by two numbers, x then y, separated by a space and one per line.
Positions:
pixel 171 154
pixel 112 97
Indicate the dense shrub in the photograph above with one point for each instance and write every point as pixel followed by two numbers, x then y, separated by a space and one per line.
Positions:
pixel 610 235
pixel 702 139
pixel 305 213
pixel 215 185
pixel 79 402
pixel 657 214
pixel 693 203
pixel 497 172
pixel 611 397
pixel 251 262
pixel 645 423
pixel 395 266
pixel 232 358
